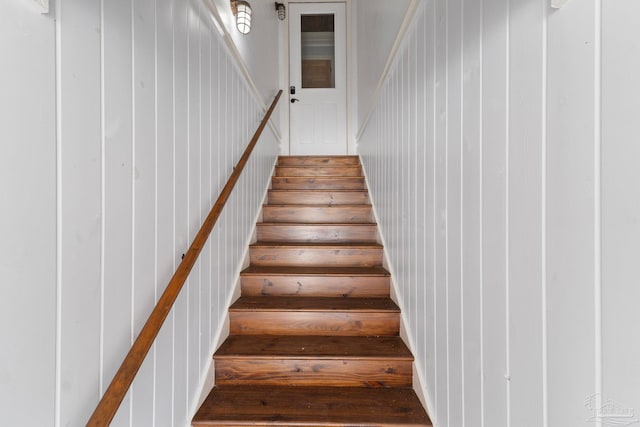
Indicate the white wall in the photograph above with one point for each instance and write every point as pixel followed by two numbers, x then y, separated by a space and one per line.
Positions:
pixel 259 49
pixel 502 161
pixel 27 214
pixel 152 114
pixel 376 24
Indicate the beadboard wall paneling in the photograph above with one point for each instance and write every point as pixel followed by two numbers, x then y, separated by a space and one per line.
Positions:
pixel 153 114
pixel 27 214
pixel 620 155
pixel 502 174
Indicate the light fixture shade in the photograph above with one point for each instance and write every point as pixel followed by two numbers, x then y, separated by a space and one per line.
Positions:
pixel 280 9
pixel 243 16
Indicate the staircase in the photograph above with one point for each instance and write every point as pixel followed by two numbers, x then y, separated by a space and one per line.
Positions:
pixel 314 336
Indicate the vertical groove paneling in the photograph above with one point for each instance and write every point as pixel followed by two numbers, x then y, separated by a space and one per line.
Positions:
pixel 620 202
pixel 79 210
pixel 195 207
pixel 539 184
pixel 28 186
pixel 429 358
pixel 525 212
pixel 570 212
pixel 117 69
pixel 526 190
pixel 144 179
pixel 181 207
pixel 453 208
pixel 206 192
pixel 494 116
pixel 175 114
pixel 166 258
pixel 472 213
pixel 441 397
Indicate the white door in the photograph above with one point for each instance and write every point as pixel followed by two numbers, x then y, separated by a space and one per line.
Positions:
pixel 318 78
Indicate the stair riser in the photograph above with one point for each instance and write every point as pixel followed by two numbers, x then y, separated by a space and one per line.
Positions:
pixel 331 257
pixel 318 161
pixel 318 171
pixel 318 183
pixel 318 198
pixel 314 372
pixel 316 286
pixel 314 323
pixel 318 214
pixel 317 233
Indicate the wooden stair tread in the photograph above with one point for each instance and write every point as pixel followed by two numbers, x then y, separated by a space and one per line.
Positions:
pixel 324 245
pixel 317 177
pixel 318 197
pixel 314 337
pixel 311 406
pixel 319 214
pixel 306 304
pixel 318 182
pixel 315 170
pixel 321 205
pixel 258 270
pixel 322 191
pixel 310 281
pixel 273 231
pixel 318 160
pixel 317 224
pixel 318 167
pixel 313 347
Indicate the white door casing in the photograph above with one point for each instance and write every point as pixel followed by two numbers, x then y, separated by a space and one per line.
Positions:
pixel 318 116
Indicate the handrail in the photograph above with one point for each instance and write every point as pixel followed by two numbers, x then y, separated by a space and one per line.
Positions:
pixel 112 398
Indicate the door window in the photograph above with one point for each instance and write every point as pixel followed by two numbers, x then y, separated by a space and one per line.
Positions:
pixel 318 51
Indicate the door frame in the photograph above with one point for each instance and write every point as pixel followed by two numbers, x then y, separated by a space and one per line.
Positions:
pixel 285 78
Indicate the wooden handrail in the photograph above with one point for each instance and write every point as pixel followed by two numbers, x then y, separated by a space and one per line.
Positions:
pixel 112 398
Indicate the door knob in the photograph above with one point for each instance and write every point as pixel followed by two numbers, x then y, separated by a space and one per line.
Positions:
pixel 294 100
